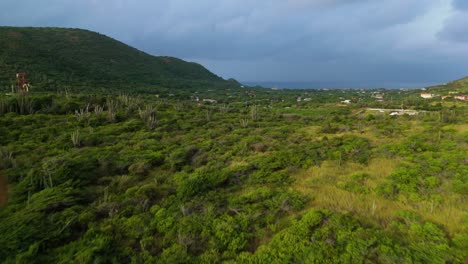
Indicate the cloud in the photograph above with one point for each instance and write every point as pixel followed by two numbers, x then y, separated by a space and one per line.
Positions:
pixel 266 30
pixel 456 28
pixel 322 3
pixel 460 4
pixel 271 39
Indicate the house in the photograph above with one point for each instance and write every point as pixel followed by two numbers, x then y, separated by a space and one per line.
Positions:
pixel 378 95
pixel 427 95
pixel 462 97
pixel 347 101
pixel 404 112
pixel 307 99
pixel 213 101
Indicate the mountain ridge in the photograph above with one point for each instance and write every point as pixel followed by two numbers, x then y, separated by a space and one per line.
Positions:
pixel 54 57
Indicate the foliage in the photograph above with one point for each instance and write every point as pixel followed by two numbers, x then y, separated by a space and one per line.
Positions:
pixel 59 59
pixel 148 173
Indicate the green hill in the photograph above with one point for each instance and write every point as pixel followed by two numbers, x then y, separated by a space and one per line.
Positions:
pixel 460 86
pixel 54 57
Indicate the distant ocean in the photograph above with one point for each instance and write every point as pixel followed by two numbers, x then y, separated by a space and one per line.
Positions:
pixel 342 85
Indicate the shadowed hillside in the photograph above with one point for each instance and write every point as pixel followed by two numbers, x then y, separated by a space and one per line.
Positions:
pixel 58 56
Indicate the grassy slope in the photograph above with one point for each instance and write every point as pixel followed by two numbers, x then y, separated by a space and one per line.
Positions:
pixel 458 86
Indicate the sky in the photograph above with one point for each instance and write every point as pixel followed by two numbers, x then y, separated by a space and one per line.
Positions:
pixel 340 42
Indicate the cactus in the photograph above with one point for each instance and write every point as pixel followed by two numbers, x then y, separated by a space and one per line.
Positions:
pixel 83 114
pixel 98 110
pixel 224 108
pixel 25 105
pixel 76 138
pixel 148 115
pixel 111 109
pixel 208 115
pixel 254 113
pixel 244 122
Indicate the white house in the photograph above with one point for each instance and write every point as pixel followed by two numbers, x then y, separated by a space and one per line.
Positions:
pixel 427 95
pixel 213 101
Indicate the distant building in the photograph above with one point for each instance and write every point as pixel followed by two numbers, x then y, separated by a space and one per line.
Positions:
pixel 427 95
pixel 378 96
pixel 346 101
pixel 213 101
pixel 299 99
pixel 307 99
pixel 462 97
pixel 404 112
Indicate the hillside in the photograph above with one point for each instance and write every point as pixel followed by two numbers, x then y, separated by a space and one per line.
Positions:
pixel 73 57
pixel 460 86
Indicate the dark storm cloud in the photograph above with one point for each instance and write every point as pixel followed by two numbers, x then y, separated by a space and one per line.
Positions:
pixel 460 4
pixel 276 39
pixel 456 27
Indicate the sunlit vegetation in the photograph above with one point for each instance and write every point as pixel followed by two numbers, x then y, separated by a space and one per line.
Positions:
pixel 115 156
pixel 119 178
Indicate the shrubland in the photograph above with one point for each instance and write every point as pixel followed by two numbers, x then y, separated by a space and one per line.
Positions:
pixel 257 177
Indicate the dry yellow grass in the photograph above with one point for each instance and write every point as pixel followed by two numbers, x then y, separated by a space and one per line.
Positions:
pixel 461 128
pixel 310 130
pixel 369 133
pixel 330 172
pixel 237 163
pixel 320 183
